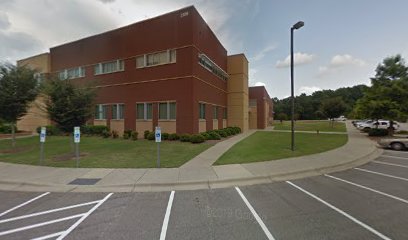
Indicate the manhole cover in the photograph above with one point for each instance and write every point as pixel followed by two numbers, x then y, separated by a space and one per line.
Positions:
pixel 85 181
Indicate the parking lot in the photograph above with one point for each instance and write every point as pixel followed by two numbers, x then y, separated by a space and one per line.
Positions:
pixel 368 202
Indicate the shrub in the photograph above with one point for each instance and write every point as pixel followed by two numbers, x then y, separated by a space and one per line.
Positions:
pixel 134 135
pixel 222 133
pixel 51 130
pixel 237 129
pixel 214 135
pixel 366 130
pixel 374 132
pixel 106 134
pixel 5 129
pixel 115 134
pixel 205 135
pixel 173 137
pixel 185 138
pixel 93 129
pixel 197 138
pixel 146 134
pixel 229 131
pixel 165 136
pixel 151 136
pixel 127 134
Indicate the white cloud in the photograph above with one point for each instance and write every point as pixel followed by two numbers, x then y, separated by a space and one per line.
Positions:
pixel 299 58
pixel 340 61
pixel 257 84
pixel 309 90
pixel 261 54
pixel 4 21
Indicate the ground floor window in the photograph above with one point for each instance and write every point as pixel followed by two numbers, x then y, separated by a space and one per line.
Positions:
pixel 100 111
pixel 225 113
pixel 201 110
pixel 144 111
pixel 167 111
pixel 118 111
pixel 215 112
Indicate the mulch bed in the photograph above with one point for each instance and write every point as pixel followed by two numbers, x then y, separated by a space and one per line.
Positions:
pixel 68 156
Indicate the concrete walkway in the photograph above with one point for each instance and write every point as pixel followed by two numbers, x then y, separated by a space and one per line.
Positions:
pixel 196 174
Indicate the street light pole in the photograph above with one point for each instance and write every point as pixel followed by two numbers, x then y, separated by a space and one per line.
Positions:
pixel 292 29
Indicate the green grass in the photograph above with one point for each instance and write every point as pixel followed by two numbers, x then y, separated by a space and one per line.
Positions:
pixel 306 125
pixel 265 146
pixel 102 153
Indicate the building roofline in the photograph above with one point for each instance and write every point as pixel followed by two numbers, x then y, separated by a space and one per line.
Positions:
pixel 239 54
pixel 23 59
pixel 126 26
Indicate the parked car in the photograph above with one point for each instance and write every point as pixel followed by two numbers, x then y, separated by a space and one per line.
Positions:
pixel 394 143
pixel 381 124
pixel 341 118
pixel 356 122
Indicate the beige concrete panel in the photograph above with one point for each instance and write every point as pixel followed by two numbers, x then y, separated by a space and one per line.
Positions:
pixel 36 116
pixel 224 123
pixel 142 126
pixel 237 64
pixel 202 126
pixel 118 126
pixel 215 124
pixel 167 126
pixel 100 122
pixel 40 62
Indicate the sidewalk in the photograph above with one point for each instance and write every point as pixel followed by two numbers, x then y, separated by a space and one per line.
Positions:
pixel 198 173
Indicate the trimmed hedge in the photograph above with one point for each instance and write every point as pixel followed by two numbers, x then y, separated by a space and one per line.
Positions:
pixel 222 133
pixel 134 135
pixel 6 129
pixel 374 132
pixel 185 138
pixel 146 134
pixel 127 134
pixel 106 134
pixel 115 134
pixel 205 135
pixel 165 136
pixel 197 138
pixel 151 136
pixel 214 135
pixel 93 129
pixel 173 137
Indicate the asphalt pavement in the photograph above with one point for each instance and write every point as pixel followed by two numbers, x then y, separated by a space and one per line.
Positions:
pixel 365 202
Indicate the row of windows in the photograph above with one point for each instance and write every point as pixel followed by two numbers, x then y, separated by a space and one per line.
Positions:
pixel 154 59
pixel 109 67
pixel 216 111
pixel 206 62
pixel 72 73
pixel 144 111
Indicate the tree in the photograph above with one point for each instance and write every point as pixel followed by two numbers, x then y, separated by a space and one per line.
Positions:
pixel 281 117
pixel 68 105
pixel 333 108
pixel 388 95
pixel 18 88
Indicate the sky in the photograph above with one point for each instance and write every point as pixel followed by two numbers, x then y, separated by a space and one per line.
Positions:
pixel 340 45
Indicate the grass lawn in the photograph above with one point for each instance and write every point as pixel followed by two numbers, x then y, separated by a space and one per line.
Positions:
pixel 306 125
pixel 264 146
pixel 101 153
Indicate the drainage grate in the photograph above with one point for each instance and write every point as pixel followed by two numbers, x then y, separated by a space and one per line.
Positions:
pixel 85 181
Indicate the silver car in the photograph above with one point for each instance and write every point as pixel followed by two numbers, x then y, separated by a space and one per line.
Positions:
pixel 399 143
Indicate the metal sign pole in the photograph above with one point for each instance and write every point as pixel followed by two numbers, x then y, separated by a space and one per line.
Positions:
pixel 158 155
pixel 41 153
pixel 77 154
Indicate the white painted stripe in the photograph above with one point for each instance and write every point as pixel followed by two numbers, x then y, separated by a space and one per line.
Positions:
pixel 52 235
pixel 391 164
pixel 406 158
pixel 41 224
pixel 48 211
pixel 167 217
pixel 70 229
pixel 369 189
pixel 341 212
pixel 23 204
pixel 382 174
pixel 258 219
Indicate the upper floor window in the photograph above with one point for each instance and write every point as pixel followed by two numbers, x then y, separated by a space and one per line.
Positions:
pixel 109 67
pixel 225 113
pixel 100 111
pixel 118 111
pixel 154 59
pixel 201 107
pixel 208 64
pixel 72 73
pixel 144 111
pixel 167 111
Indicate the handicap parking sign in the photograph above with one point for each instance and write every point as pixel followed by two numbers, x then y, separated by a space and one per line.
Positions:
pixel 77 135
pixel 157 134
pixel 43 133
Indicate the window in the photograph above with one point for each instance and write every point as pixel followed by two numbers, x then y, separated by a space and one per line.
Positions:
pixel 208 64
pixel 154 59
pixel 215 112
pixel 144 111
pixel 109 67
pixel 201 110
pixel 118 111
pixel 167 111
pixel 71 73
pixel 225 113
pixel 100 111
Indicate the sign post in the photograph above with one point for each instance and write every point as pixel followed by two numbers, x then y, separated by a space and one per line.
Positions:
pixel 77 140
pixel 157 134
pixel 43 133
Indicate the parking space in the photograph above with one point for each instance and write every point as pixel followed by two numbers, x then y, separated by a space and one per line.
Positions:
pixel 367 202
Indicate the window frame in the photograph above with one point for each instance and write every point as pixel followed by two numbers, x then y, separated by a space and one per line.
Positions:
pixel 118 111
pixel 168 111
pixel 101 112
pixel 119 67
pixel 168 58
pixel 201 115
pixel 145 111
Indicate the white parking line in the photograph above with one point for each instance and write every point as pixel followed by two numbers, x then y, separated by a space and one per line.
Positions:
pixel 70 229
pixel 23 204
pixel 167 217
pixel 405 158
pixel 46 212
pixel 258 219
pixel 391 164
pixel 367 188
pixel 41 224
pixel 341 212
pixel 381 174
pixel 52 235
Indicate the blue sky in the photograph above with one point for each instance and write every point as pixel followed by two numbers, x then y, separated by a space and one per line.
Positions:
pixel 340 45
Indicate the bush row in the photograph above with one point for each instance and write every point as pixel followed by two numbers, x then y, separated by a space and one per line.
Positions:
pixel 377 132
pixel 6 129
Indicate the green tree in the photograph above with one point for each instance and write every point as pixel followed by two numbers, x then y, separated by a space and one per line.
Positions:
pixel 333 108
pixel 18 88
pixel 68 105
pixel 281 117
pixel 388 96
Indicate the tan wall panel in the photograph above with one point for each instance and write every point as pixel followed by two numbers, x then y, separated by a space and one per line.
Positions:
pixel 40 62
pixel 99 122
pixel 35 117
pixel 215 124
pixel 202 126
pixel 118 126
pixel 142 126
pixel 168 126
pixel 224 123
pixel 253 118
pixel 237 64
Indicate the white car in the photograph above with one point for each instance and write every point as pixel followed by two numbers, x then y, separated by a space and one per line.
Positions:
pixel 382 124
pixel 341 118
